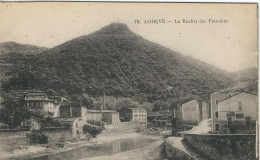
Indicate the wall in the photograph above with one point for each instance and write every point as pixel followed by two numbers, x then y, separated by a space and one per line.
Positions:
pixel 115 119
pixel 51 108
pixel 56 136
pixel 190 111
pixel 249 106
pixel 224 147
pixel 175 153
pixel 249 109
pixel 129 126
pixel 214 107
pixel 205 110
pixel 96 116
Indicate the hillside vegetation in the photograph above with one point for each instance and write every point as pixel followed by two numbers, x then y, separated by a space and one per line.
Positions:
pixel 13 54
pixel 121 63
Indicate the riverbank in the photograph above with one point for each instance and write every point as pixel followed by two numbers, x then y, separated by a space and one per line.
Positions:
pixel 29 151
pixel 151 151
pixel 14 145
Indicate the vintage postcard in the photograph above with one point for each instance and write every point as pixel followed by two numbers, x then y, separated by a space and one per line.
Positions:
pixel 124 81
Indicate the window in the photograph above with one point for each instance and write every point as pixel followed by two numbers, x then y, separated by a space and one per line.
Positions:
pixel 216 127
pixel 216 101
pixel 240 105
pixel 216 114
pixel 240 116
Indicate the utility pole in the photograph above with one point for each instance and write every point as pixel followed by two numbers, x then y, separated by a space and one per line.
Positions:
pixel 104 99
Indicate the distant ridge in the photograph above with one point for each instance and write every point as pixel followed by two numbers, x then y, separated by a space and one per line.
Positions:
pixel 13 54
pixel 13 47
pixel 245 75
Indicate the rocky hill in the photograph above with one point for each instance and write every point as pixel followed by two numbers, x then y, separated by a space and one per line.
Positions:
pixel 121 63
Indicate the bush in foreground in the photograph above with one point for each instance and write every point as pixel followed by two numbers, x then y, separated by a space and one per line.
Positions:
pixel 37 137
pixel 92 130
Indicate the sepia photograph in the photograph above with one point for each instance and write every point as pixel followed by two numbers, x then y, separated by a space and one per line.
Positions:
pixel 128 81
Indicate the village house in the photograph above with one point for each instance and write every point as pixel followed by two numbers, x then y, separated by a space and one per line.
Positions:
pixel 218 96
pixel 139 115
pixel 237 113
pixel 109 117
pixel 70 109
pixel 38 102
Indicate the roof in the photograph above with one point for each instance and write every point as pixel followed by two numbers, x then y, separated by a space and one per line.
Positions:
pixel 137 108
pixel 236 95
pixel 101 111
pixel 190 101
pixel 40 99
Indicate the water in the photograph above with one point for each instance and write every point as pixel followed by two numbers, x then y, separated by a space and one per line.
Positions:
pixel 105 149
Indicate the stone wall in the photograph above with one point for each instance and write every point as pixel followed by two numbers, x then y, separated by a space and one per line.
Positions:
pixel 175 153
pixel 224 147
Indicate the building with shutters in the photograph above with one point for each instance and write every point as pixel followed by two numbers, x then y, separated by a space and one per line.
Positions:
pixel 139 115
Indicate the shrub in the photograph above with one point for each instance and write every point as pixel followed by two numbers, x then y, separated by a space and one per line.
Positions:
pixel 93 130
pixel 37 137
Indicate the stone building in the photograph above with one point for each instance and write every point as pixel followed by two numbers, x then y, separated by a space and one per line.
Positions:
pixel 226 93
pixel 237 113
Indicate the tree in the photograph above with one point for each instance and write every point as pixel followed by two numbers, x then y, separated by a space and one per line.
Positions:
pixel 148 106
pixel 50 92
pixel 63 93
pixel 160 105
pixel 14 112
pixel 123 107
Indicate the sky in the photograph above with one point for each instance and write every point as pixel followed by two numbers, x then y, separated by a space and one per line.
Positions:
pixel 231 46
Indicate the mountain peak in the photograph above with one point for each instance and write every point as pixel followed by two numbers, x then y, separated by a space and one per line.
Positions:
pixel 116 28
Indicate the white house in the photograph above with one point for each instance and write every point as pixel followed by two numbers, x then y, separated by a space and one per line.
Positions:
pixel 226 93
pixel 240 109
pixel 139 115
